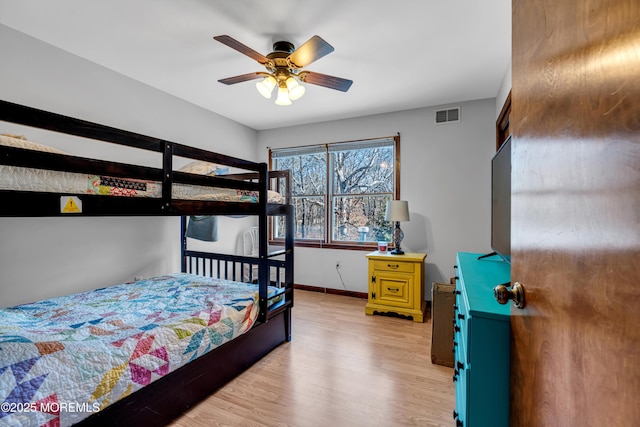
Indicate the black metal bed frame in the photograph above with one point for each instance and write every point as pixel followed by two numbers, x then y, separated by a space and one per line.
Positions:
pixel 164 399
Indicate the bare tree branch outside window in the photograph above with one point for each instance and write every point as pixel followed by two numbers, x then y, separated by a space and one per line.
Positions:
pixel 352 198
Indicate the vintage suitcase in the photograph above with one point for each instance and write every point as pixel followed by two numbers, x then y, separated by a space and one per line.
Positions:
pixel 442 301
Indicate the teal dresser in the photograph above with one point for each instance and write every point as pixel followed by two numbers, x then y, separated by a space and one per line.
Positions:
pixel 481 344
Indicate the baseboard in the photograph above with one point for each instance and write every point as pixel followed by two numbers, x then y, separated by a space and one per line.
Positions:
pixel 361 295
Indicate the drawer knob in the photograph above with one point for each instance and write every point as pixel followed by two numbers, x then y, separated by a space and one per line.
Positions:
pixel 456 328
pixel 503 294
pixel 461 316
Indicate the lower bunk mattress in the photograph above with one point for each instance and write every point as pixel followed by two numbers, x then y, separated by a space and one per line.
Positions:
pixel 65 358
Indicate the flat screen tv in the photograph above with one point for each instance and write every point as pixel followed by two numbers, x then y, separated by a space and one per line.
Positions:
pixel 501 201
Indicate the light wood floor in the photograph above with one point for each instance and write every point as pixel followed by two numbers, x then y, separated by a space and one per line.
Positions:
pixel 342 368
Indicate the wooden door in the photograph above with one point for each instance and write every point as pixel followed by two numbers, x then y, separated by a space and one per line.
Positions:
pixel 575 121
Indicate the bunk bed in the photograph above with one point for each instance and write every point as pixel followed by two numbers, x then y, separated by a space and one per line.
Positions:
pixel 157 191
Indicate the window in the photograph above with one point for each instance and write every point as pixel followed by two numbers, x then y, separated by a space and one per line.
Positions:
pixel 340 190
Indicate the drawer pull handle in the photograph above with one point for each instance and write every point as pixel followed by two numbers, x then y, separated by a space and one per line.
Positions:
pixel 503 294
pixel 456 328
pixel 393 265
pixel 393 289
pixel 461 316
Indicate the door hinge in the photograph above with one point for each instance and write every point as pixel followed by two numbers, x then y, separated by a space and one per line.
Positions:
pixel 373 279
pixel 373 295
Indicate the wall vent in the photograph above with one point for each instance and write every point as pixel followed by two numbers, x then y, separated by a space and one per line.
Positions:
pixel 448 115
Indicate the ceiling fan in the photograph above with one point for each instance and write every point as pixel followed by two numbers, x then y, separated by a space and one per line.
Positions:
pixel 285 68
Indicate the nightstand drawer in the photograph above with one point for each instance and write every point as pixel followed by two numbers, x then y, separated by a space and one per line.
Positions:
pixel 391 265
pixel 395 291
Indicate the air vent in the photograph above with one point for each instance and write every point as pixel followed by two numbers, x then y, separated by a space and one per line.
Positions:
pixel 447 116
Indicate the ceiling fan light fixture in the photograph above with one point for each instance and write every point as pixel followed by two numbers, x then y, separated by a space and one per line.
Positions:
pixel 285 68
pixel 296 90
pixel 283 95
pixel 265 86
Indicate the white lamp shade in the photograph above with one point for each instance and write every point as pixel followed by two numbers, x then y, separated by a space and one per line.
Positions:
pixel 265 86
pixel 397 210
pixel 296 90
pixel 283 96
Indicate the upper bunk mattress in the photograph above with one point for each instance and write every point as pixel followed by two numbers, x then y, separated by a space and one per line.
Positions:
pixel 63 359
pixel 41 180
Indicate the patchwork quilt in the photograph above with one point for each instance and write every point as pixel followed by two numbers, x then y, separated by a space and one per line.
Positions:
pixel 63 359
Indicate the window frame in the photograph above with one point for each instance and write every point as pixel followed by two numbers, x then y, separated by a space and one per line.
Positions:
pixel 327 241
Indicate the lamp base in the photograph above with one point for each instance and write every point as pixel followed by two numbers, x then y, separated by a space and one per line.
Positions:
pixel 398 235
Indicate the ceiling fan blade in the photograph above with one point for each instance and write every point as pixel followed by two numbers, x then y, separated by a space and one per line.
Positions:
pixel 325 80
pixel 312 50
pixel 242 78
pixel 244 49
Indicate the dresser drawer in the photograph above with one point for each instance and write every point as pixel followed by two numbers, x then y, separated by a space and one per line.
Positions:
pixel 391 265
pixel 460 345
pixel 461 378
pixel 461 321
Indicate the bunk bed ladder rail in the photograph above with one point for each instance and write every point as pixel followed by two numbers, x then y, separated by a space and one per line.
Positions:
pixel 263 248
pixel 167 174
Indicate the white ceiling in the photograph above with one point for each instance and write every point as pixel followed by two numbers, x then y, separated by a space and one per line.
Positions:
pixel 401 54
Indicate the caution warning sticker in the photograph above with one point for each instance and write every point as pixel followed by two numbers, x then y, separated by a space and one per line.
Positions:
pixel 70 204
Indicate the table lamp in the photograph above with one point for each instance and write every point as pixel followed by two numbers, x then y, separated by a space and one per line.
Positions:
pixel 397 210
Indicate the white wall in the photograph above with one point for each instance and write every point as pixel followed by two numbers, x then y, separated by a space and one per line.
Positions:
pixel 445 175
pixel 44 257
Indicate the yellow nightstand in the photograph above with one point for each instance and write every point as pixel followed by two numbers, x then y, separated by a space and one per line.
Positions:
pixel 395 285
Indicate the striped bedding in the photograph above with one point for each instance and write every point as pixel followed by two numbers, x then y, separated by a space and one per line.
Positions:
pixel 64 358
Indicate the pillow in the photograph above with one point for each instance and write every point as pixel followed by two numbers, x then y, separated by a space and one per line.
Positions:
pixel 199 167
pixel 20 141
pixel 11 135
